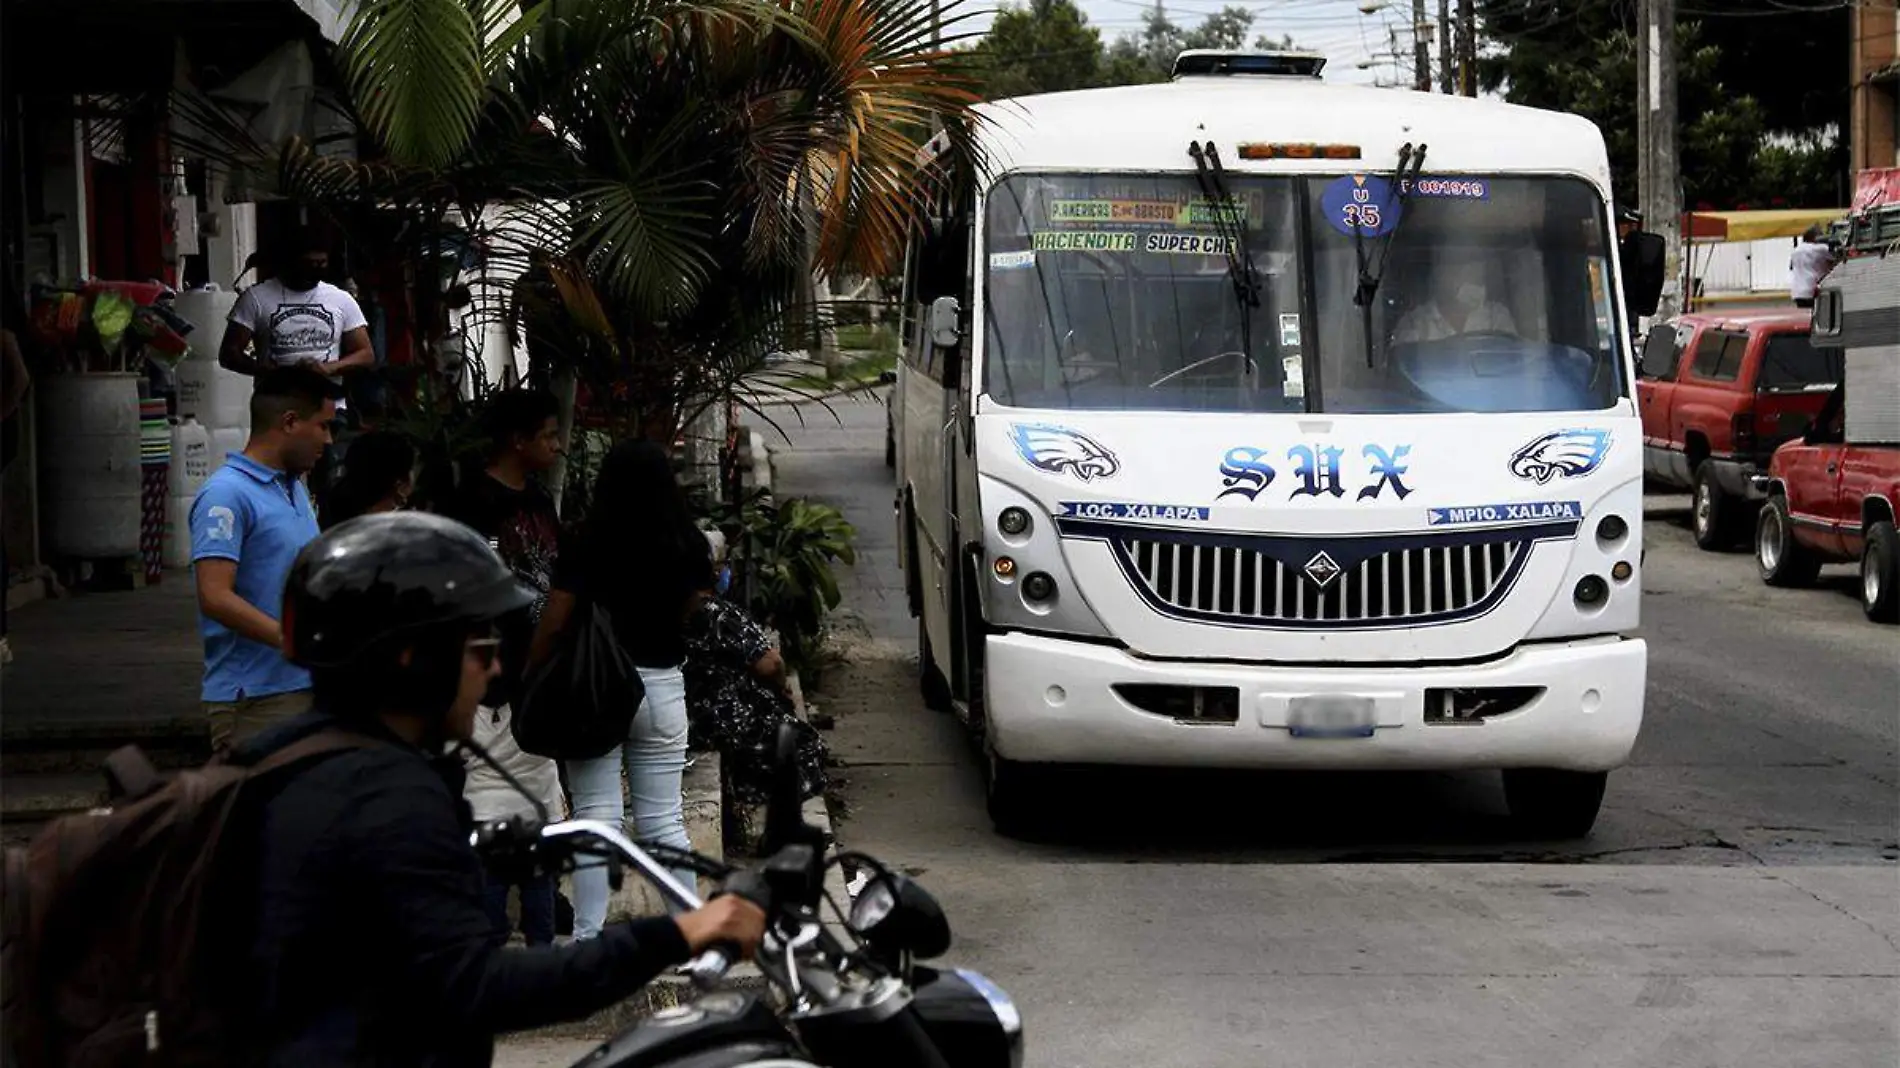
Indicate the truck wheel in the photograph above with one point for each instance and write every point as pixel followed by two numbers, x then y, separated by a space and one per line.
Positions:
pixel 936 688
pixel 890 444
pixel 1714 511
pixel 1779 555
pixel 1880 574
pixel 1016 795
pixel 1546 803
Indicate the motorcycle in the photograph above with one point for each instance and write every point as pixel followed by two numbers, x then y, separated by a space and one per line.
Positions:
pixel 854 994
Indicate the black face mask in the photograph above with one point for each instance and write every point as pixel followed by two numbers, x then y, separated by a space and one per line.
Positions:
pixel 301 277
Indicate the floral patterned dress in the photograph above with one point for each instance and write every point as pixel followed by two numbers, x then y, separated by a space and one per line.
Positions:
pixel 738 713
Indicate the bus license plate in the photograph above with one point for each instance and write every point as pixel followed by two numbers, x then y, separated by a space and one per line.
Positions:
pixel 1331 716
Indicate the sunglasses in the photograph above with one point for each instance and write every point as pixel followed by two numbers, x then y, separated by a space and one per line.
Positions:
pixel 485 650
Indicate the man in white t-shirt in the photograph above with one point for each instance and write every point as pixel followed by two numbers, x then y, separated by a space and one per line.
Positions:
pixel 297 318
pixel 1813 259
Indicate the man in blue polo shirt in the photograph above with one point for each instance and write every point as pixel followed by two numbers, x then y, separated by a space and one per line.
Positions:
pixel 247 525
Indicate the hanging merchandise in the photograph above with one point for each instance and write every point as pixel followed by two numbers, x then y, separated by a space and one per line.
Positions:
pixel 56 316
pixel 111 315
pixel 155 433
pixel 163 334
pixel 155 451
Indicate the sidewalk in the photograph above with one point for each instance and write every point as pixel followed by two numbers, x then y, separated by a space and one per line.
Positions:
pixel 105 666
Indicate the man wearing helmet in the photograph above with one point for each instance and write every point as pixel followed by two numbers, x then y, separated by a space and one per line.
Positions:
pixel 367 940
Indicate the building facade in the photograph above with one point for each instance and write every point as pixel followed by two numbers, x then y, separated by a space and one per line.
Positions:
pixel 1875 77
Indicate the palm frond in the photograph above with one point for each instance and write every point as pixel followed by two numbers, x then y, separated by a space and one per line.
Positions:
pixel 415 68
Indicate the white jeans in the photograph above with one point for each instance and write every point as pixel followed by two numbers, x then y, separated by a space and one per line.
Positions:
pixel 654 758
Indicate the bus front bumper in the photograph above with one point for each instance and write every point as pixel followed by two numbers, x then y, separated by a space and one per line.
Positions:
pixel 1573 705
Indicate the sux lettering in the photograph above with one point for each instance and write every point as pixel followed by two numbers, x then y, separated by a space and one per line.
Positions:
pixel 1246 473
pixel 1318 471
pixel 1570 453
pixel 1388 467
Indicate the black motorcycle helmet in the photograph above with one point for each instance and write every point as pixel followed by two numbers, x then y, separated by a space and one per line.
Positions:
pixel 370 587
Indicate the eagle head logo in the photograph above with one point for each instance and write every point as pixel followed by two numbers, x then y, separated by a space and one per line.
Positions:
pixel 1059 450
pixel 1563 454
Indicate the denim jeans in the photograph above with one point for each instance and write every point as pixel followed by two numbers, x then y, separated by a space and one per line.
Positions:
pixel 537 909
pixel 654 758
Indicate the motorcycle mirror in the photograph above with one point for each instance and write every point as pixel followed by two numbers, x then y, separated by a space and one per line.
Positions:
pixel 895 914
pixel 785 800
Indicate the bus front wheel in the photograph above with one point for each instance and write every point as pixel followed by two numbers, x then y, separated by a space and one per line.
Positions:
pixel 1016 795
pixel 1551 804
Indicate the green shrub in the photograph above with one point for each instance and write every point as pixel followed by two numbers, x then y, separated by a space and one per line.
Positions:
pixel 782 561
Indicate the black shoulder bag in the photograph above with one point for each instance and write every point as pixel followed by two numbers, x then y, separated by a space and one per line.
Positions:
pixel 581 702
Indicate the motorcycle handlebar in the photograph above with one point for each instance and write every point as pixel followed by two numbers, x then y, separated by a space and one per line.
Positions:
pixel 573 836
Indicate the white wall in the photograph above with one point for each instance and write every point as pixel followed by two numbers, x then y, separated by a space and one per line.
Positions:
pixel 1744 266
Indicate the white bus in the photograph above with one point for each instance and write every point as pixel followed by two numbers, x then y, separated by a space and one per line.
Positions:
pixel 1249 421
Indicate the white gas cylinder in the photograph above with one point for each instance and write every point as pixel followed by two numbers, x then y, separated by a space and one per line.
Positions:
pixel 192 461
pixel 217 397
pixel 178 531
pixel 224 441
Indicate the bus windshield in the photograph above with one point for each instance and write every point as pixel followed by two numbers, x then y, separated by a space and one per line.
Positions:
pixel 1115 292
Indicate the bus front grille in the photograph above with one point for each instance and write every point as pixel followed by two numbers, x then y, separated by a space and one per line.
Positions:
pixel 1310 587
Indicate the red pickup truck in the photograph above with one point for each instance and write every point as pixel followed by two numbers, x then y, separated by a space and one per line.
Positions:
pixel 1830 503
pixel 1719 391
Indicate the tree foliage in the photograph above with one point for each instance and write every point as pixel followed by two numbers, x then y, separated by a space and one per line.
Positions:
pixel 1048 46
pixel 661 175
pixel 1759 115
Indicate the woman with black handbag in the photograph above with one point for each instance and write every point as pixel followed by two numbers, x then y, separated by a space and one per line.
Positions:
pixel 639 566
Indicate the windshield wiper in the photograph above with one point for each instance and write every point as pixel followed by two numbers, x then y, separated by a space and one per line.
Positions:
pixel 1369 277
pixel 1230 226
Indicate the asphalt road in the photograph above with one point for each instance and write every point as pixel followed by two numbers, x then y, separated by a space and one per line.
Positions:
pixel 1738 903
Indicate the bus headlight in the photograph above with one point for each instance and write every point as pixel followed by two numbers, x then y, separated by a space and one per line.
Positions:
pixel 1039 587
pixel 1036 590
pixel 1591 591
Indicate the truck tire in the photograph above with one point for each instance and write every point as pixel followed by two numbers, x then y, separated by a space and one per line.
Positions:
pixel 1779 556
pixel 1880 574
pixel 1549 804
pixel 1713 513
pixel 890 442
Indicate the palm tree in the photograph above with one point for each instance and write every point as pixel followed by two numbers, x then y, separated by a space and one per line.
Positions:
pixel 653 153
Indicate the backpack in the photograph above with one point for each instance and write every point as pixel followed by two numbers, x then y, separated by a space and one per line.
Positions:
pixel 581 702
pixel 107 926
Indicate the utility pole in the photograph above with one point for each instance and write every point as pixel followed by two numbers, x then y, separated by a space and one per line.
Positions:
pixel 1445 83
pixel 1468 48
pixel 1421 48
pixel 1659 175
pixel 936 24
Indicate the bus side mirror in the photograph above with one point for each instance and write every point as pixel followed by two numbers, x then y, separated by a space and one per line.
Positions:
pixel 943 267
pixel 946 328
pixel 1643 275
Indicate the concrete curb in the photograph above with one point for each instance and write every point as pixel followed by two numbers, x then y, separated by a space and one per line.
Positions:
pixel 817 811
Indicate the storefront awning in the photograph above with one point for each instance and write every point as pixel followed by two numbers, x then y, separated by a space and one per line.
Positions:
pixel 1755 225
pixel 68 47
